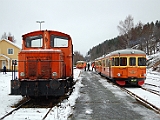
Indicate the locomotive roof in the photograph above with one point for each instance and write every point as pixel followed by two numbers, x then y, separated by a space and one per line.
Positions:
pixel 55 33
pixel 128 51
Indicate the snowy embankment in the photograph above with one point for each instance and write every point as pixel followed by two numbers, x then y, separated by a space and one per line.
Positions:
pixel 57 113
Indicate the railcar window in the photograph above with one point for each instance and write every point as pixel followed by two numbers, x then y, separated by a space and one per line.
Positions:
pixel 123 61
pixel 58 41
pixel 132 61
pixel 141 61
pixel 112 61
pixel 99 62
pixel 117 61
pixel 106 62
pixel 34 41
pixel 103 63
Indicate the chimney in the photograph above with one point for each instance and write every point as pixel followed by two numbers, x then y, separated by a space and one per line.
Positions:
pixel 10 38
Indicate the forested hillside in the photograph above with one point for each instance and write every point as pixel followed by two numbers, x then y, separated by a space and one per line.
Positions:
pixel 145 37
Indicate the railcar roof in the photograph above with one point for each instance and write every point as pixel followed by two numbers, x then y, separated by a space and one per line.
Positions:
pixel 123 51
pixel 80 61
pixel 128 51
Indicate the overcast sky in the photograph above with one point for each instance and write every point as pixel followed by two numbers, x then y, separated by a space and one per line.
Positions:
pixel 88 22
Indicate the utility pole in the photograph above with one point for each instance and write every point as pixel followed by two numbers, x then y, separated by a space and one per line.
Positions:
pixel 40 22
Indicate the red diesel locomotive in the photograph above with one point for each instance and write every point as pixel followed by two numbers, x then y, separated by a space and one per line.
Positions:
pixel 45 64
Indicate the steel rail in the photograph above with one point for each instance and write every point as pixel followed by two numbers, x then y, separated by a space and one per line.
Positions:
pixel 155 108
pixel 15 109
pixel 152 91
pixel 47 113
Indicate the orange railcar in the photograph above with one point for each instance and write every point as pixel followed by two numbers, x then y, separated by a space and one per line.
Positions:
pixel 44 64
pixel 80 64
pixel 125 67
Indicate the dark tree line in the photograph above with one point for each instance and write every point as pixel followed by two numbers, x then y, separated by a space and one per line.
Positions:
pixel 77 57
pixel 145 37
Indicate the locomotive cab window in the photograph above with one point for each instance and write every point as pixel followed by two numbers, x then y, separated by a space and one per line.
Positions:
pixel 34 41
pixel 141 61
pixel 58 41
pixel 132 61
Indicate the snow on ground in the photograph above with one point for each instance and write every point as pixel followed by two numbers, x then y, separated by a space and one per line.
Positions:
pixel 151 78
pixel 61 112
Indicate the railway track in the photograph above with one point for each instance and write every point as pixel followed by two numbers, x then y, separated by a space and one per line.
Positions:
pixel 142 100
pixel 42 111
pixel 155 89
pixel 41 106
pixel 47 114
pixel 17 108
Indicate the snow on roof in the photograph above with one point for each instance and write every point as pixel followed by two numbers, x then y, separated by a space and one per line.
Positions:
pixel 55 50
pixel 11 43
pixel 5 56
pixel 127 51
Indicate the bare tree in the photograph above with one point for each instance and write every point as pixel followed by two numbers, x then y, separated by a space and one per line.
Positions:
pixel 125 27
pixel 4 36
pixel 9 37
pixel 77 57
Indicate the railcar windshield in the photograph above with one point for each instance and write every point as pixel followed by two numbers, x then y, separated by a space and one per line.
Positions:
pixel 59 41
pixel 141 61
pixel 132 61
pixel 34 41
pixel 123 61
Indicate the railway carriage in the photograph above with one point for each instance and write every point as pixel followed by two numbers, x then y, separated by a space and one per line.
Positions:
pixel 98 65
pixel 124 67
pixel 80 64
pixel 45 64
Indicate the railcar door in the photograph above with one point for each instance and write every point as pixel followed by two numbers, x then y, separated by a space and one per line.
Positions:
pixel 132 69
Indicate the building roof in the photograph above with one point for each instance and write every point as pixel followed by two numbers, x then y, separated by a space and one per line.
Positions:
pixel 11 43
pixel 5 56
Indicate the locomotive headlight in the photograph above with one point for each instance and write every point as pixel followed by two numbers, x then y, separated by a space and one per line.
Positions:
pixel 22 74
pixel 118 74
pixel 54 74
